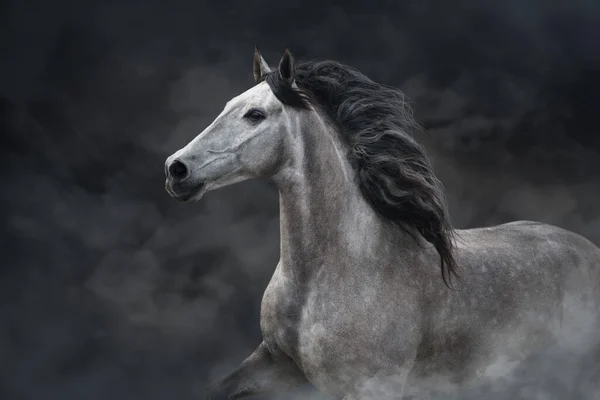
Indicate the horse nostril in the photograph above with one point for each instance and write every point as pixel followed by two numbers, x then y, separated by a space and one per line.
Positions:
pixel 178 170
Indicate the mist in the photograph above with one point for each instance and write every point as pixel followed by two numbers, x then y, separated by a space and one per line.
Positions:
pixel 109 288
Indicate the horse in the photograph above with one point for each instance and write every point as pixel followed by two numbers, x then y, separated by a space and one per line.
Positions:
pixel 376 294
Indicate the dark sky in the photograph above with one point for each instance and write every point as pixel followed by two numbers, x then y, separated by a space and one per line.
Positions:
pixel 109 289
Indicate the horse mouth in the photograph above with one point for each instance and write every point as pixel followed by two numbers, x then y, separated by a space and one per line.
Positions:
pixel 187 194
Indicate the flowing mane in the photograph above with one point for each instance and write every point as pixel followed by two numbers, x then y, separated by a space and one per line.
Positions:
pixel 376 123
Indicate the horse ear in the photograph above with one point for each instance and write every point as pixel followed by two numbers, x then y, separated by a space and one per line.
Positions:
pixel 287 68
pixel 260 68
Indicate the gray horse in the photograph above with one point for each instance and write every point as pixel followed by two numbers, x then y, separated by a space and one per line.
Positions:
pixel 357 304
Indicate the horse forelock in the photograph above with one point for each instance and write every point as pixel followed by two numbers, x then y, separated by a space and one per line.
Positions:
pixel 376 122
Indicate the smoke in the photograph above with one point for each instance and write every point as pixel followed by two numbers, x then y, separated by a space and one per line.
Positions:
pixel 110 289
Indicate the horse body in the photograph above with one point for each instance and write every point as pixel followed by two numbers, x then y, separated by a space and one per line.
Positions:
pixel 354 297
pixel 356 304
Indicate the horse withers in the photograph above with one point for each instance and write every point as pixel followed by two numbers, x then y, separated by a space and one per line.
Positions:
pixel 375 293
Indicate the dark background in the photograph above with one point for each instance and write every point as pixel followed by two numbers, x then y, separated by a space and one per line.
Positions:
pixel 109 289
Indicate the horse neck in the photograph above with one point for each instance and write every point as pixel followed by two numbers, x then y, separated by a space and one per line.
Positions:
pixel 322 212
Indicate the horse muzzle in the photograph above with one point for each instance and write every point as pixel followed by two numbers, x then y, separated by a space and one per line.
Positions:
pixel 180 183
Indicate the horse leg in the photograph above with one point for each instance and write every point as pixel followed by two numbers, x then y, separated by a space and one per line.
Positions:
pixel 262 372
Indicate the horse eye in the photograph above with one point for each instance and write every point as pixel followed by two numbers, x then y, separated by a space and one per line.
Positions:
pixel 255 115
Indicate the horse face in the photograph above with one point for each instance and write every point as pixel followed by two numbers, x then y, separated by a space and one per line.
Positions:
pixel 245 141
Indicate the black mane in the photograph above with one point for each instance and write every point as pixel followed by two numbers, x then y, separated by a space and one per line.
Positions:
pixel 376 122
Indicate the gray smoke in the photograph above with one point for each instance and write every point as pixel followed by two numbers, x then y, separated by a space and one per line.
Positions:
pixel 111 289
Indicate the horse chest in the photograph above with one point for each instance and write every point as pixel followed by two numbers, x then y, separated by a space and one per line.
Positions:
pixel 347 332
pixel 281 310
pixel 312 326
